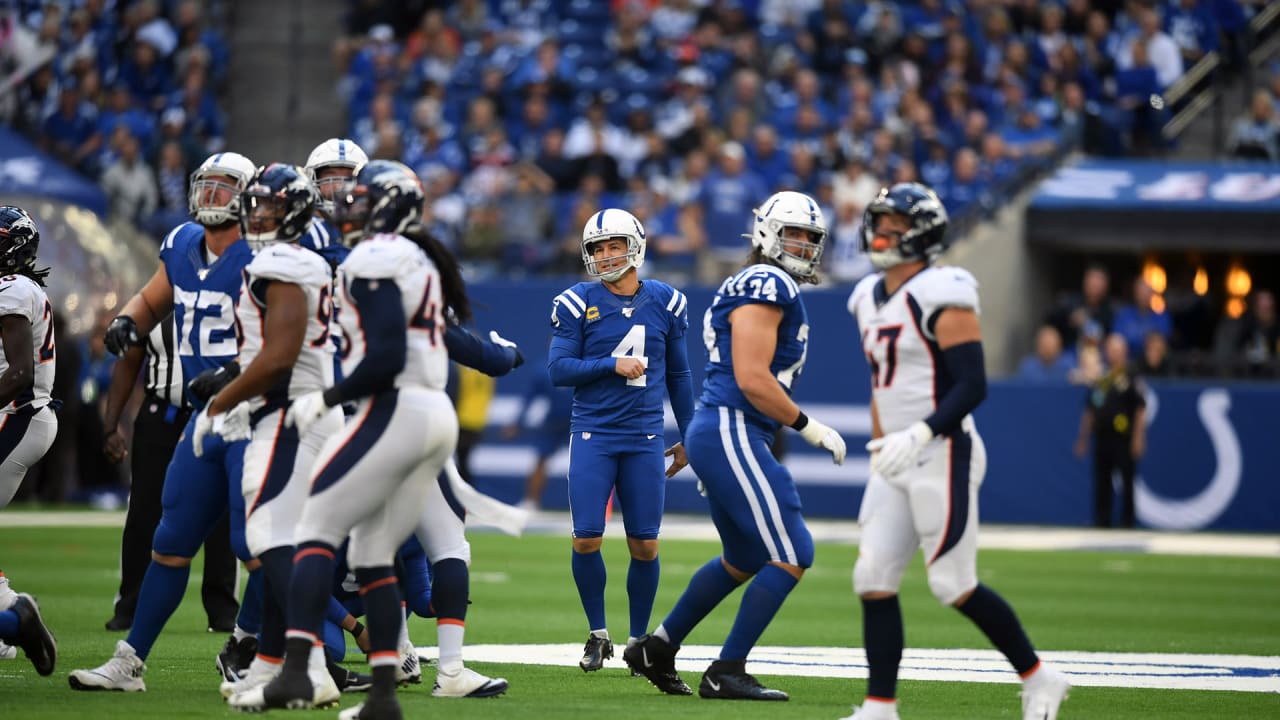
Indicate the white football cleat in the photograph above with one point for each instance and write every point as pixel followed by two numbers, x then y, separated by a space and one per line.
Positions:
pixel 409 671
pixel 1043 693
pixel 467 683
pixel 7 652
pixel 873 710
pixel 259 673
pixel 7 596
pixel 122 672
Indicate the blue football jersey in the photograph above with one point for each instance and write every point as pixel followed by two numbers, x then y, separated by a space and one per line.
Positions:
pixel 322 237
pixel 755 284
pixel 591 328
pixel 204 298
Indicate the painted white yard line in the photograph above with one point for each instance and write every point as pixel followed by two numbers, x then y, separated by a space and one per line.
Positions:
pixel 1244 673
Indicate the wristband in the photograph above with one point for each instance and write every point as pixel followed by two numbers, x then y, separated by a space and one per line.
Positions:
pixel 801 422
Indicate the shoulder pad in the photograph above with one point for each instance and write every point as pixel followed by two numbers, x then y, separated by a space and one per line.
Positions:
pixel 289 263
pixel 383 256
pixel 944 287
pixel 678 304
pixel 569 305
pixel 20 295
pixel 863 289
pixel 776 286
pixel 181 236
pixel 320 235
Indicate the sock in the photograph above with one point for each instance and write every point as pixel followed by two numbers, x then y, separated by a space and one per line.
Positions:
pixel 250 618
pixel 589 575
pixel 309 589
pixel 450 586
pixel 161 593
pixel 277 567
pixel 384 681
pixel 381 593
pixel 708 586
pixel 760 602
pixel 642 587
pixel 1000 624
pixel 8 625
pixel 402 638
pixel 883 637
pixel 240 634
pixel 449 636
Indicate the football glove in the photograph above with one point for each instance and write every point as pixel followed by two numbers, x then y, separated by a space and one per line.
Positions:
pixel 499 340
pixel 211 381
pixel 897 451
pixel 306 410
pixel 122 334
pixel 231 426
pixel 821 436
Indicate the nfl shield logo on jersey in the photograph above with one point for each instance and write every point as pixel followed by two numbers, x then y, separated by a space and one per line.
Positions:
pixel 626 312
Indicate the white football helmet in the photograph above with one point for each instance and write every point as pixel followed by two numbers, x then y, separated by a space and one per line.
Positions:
pixel 211 199
pixel 790 209
pixel 611 223
pixel 334 153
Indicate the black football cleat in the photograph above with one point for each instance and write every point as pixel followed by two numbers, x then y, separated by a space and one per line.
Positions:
pixel 349 680
pixel 655 659
pixel 596 651
pixel 33 635
pixel 729 680
pixel 234 658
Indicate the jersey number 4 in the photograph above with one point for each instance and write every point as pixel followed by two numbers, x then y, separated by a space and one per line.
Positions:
pixel 888 336
pixel 632 345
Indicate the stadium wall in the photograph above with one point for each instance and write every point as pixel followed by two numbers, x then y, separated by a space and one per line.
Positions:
pixel 1210 461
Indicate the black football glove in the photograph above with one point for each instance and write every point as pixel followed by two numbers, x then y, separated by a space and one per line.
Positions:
pixel 122 334
pixel 211 381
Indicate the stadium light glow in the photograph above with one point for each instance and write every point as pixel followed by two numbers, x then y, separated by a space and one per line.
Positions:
pixel 1155 277
pixel 1238 281
pixel 1201 282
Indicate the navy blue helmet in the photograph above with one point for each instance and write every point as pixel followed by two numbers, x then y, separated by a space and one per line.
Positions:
pixel 277 205
pixel 924 240
pixel 385 197
pixel 19 240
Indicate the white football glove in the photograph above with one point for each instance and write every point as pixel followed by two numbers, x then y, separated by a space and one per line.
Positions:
pixel 231 426
pixel 821 436
pixel 306 410
pixel 897 451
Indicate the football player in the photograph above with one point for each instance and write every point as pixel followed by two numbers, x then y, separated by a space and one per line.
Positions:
pixel 756 333
pixel 920 332
pixel 620 343
pixel 28 353
pixel 198 280
pixel 376 479
pixel 283 315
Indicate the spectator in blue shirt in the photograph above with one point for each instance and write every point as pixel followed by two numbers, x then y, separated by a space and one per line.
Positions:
pixel 71 132
pixel 1048 364
pixel 727 196
pixel 764 156
pixel 1133 322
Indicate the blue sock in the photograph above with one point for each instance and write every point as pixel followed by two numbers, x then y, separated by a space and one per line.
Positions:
pixel 250 617
pixel 1000 624
pixel 381 594
pixel 642 587
pixel 760 602
pixel 161 593
pixel 452 582
pixel 708 586
pixel 589 574
pixel 8 625
pixel 882 635
pixel 309 588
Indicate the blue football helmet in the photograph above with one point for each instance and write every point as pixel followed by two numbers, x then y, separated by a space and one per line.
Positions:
pixel 925 240
pixel 277 205
pixel 385 197
pixel 19 240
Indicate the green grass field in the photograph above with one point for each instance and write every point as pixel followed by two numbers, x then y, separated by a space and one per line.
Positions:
pixel 522 592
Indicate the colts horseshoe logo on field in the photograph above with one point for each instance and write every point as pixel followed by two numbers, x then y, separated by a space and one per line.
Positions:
pixel 1201 509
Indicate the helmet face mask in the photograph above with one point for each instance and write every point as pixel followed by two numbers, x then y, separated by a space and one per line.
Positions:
pixel 913 221
pixel 385 197
pixel 789 229
pixel 611 264
pixel 19 240
pixel 214 196
pixel 277 205
pixel 330 165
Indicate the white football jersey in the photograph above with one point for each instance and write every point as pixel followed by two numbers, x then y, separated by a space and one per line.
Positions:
pixel 289 263
pixel 20 295
pixel 400 260
pixel 907 376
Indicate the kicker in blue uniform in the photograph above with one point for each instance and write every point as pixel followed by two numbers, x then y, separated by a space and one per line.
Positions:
pixel 620 343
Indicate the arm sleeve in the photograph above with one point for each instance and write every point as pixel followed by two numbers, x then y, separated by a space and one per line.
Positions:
pixel 566 366
pixel 965 364
pixel 680 383
pixel 378 302
pixel 469 349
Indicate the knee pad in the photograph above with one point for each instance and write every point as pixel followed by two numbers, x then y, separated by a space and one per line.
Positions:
pixel 749 561
pixel 804 550
pixel 456 551
pixel 948 583
pixel 169 540
pixel 872 576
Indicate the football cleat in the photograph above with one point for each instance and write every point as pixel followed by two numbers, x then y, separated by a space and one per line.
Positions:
pixel 409 671
pixel 597 650
pixel 729 680
pixel 349 680
pixel 467 683
pixel 33 635
pixel 7 596
pixel 7 652
pixel 375 708
pixel 655 659
pixel 1042 694
pixel 122 672
pixel 235 657
pixel 289 691
pixel 872 710
pixel 259 673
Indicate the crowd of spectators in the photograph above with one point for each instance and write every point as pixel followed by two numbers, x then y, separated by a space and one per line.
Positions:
pixel 123 91
pixel 689 111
